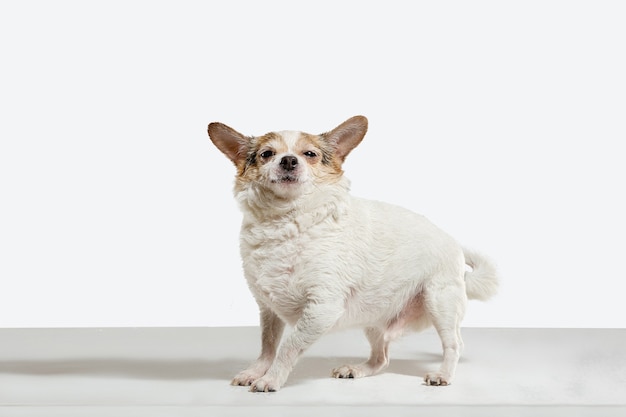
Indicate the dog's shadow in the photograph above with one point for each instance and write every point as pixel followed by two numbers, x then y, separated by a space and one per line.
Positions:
pixel 165 369
pixel 307 368
pixel 316 367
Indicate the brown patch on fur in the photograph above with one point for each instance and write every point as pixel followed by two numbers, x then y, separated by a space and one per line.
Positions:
pixel 271 141
pixel 327 166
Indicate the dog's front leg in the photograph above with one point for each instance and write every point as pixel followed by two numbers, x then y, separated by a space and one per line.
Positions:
pixel 271 331
pixel 316 320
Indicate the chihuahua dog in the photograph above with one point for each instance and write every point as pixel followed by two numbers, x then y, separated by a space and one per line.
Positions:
pixel 319 259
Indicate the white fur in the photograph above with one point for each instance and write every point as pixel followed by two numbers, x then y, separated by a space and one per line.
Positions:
pixel 320 260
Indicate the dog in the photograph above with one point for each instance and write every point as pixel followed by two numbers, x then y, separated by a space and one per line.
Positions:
pixel 319 259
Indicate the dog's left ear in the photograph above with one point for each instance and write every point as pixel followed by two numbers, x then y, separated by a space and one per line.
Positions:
pixel 347 136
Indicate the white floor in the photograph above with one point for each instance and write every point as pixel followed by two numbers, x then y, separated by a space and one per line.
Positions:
pixel 186 372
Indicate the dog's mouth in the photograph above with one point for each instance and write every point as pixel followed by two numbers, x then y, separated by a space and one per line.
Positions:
pixel 286 179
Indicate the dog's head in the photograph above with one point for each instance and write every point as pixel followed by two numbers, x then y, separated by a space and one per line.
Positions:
pixel 288 163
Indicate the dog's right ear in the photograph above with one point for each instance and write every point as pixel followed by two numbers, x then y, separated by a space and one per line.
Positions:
pixel 232 143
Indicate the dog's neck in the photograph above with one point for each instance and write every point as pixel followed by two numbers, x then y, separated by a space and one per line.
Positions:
pixel 260 205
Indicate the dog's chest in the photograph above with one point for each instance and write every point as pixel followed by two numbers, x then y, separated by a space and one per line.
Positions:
pixel 279 263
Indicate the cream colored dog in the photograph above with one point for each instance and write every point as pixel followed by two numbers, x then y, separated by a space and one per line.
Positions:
pixel 320 260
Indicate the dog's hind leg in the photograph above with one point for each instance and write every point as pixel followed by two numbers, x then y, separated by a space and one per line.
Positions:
pixel 378 360
pixel 446 307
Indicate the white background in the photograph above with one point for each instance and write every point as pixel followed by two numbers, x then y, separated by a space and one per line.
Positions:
pixel 503 122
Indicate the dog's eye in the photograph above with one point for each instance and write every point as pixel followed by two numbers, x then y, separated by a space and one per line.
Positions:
pixel 310 154
pixel 267 154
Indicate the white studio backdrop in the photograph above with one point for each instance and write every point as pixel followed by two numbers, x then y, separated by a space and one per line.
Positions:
pixel 502 121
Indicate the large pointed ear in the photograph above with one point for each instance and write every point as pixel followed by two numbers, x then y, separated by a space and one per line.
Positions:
pixel 232 143
pixel 347 136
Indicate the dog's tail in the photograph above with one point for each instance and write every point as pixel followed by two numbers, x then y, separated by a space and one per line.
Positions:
pixel 481 283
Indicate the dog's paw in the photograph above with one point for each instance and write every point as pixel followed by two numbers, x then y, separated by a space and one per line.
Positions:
pixel 245 378
pixel 348 371
pixel 264 384
pixel 437 379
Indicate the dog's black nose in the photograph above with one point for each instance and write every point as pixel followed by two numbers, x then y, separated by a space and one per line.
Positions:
pixel 288 162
